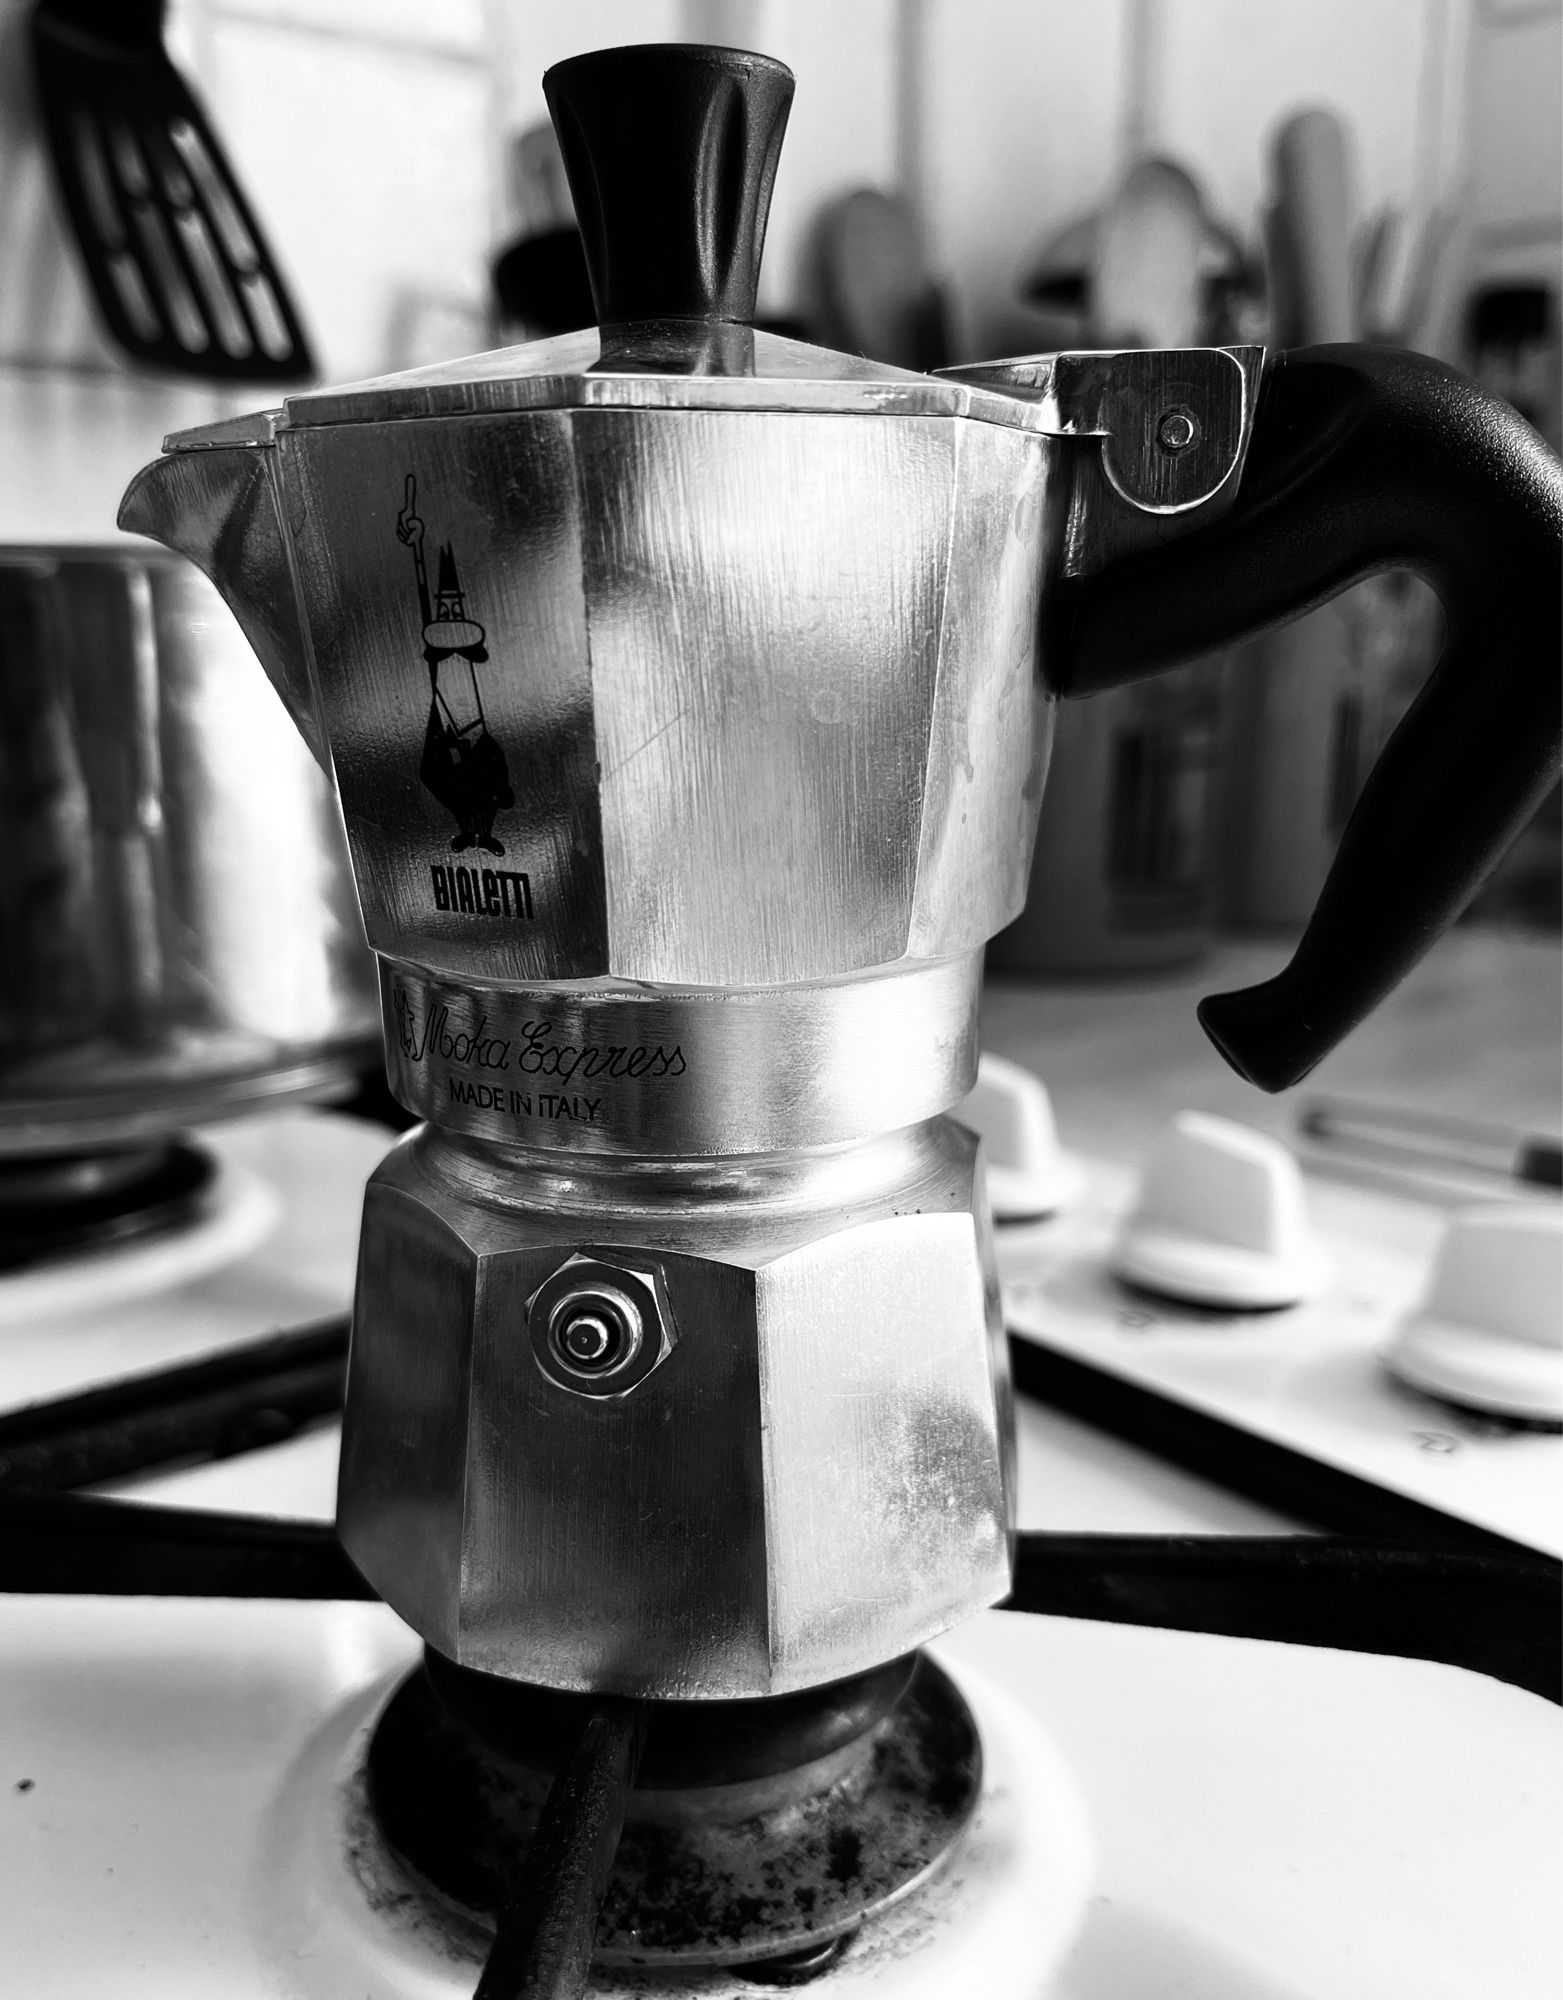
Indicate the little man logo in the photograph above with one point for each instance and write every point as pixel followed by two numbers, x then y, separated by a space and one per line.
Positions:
pixel 463 766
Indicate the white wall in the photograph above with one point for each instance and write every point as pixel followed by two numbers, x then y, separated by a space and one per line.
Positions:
pixel 1516 140
pixel 372 134
pixel 1031 107
pixel 841 133
pixel 1020 107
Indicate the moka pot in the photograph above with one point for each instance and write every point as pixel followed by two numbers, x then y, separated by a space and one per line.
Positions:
pixel 688 693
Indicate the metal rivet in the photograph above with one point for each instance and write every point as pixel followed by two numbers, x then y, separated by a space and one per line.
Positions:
pixel 1177 430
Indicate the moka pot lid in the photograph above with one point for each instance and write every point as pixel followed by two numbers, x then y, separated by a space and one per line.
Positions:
pixel 647 365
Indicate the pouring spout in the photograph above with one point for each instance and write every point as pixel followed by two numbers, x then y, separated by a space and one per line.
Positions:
pixel 211 499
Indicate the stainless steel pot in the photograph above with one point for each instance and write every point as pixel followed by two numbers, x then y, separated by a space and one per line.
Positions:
pixel 179 937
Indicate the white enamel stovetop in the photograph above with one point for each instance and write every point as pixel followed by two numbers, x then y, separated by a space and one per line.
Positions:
pixel 1266 1823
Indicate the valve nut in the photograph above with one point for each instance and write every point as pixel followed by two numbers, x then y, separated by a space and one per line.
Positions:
pixel 599 1328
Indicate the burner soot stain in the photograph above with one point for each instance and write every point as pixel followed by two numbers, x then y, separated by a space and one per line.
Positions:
pixel 733 1875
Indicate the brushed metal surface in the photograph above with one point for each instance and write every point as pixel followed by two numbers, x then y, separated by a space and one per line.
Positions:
pixel 226 496
pixel 706 1071
pixel 718 707
pixel 683 365
pixel 766 613
pixel 178 935
pixel 763 683
pixel 992 713
pixel 812 1480
pixel 689 713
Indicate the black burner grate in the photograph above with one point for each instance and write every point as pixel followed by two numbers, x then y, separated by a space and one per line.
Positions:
pixel 53 1204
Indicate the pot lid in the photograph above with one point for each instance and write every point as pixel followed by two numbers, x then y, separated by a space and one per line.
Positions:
pixel 670 152
pixel 652 365
pixel 1127 399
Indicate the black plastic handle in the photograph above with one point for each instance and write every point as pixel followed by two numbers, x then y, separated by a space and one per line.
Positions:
pixel 671 153
pixel 1362 460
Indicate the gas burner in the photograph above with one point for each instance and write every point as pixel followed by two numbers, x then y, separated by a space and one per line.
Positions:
pixel 59 1202
pixel 760 1835
pixel 345 1913
pixel 89 1232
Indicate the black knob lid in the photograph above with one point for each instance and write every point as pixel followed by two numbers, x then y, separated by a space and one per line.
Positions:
pixel 671 151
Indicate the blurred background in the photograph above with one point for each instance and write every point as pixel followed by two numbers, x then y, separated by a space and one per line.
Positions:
pixel 959 181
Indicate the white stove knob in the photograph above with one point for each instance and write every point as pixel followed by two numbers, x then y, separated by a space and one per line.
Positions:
pixel 1221 1220
pixel 1489 1332
pixel 1028 1173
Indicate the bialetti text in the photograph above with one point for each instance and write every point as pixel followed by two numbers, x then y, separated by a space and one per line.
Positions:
pixel 481 892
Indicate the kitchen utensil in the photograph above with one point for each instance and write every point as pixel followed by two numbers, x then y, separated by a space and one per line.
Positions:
pixel 1513 333
pixel 46 311
pixel 537 189
pixel 179 266
pixel 540 283
pixel 539 278
pixel 1146 276
pixel 178 937
pixel 1309 229
pixel 880 298
pixel 1430 1143
pixel 689 694
pixel 1398 266
pixel 1065 275
pixel 1306 713
pixel 1120 876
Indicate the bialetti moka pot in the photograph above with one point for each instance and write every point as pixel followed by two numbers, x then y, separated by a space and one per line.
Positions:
pixel 689 696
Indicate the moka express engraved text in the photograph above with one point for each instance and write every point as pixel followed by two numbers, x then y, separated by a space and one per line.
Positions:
pixel 530 1052
pixel 536 1055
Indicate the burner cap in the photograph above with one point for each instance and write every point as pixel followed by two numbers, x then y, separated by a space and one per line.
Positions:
pixel 689 1745
pixel 713 1870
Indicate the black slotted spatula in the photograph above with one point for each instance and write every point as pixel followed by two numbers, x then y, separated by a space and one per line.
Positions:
pixel 176 260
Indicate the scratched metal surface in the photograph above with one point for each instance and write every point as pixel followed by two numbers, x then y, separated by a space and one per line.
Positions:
pixel 814 1478
pixel 653 1071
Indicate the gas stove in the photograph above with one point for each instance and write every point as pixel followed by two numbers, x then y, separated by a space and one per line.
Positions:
pixel 1300 1404
pixel 269 1243
pixel 193 1792
pixel 688 693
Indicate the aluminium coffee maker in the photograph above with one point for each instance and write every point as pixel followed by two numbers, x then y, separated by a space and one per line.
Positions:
pixel 689 695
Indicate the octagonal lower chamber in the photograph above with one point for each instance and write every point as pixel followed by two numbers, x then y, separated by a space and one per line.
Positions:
pixel 812 1478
